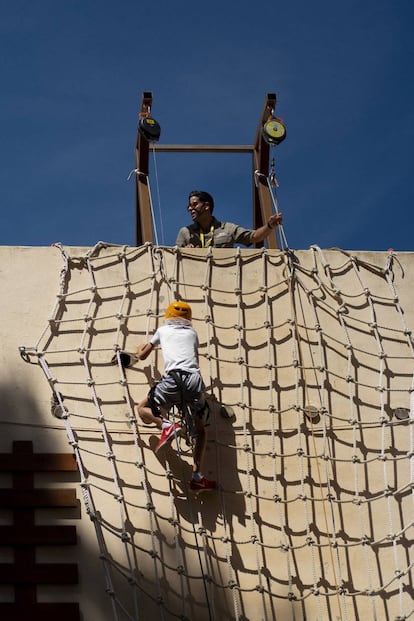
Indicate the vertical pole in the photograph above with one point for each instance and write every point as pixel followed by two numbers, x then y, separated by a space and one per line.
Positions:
pixel 143 221
pixel 262 201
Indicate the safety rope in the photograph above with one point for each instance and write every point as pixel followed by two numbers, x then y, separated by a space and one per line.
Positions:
pixel 138 172
pixel 157 185
pixel 272 185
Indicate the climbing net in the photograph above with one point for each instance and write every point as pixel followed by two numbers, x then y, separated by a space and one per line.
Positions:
pixel 313 517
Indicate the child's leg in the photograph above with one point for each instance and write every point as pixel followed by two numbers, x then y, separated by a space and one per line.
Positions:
pixel 144 411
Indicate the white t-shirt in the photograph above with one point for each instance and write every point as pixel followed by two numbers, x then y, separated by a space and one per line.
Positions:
pixel 179 345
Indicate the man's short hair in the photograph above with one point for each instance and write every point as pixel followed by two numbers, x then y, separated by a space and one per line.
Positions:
pixel 205 197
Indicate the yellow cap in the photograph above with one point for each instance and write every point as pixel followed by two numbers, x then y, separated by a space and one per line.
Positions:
pixel 178 309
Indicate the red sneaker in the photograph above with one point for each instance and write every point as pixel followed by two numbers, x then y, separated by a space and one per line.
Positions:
pixel 168 434
pixel 202 486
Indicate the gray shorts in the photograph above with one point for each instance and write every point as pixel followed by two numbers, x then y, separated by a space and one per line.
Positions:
pixel 168 392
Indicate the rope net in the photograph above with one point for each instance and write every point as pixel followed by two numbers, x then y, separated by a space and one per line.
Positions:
pixel 313 517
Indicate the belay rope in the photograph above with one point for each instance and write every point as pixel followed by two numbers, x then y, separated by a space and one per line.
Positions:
pixel 153 218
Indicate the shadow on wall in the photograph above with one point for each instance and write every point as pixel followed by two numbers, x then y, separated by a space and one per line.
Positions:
pixel 215 514
pixel 53 565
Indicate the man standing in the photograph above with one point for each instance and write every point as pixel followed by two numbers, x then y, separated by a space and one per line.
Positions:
pixel 206 230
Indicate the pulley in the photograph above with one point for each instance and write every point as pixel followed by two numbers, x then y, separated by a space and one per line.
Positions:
pixel 273 131
pixel 149 128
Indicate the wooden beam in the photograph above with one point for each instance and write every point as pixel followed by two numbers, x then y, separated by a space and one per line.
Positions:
pixel 143 221
pixel 64 611
pixel 25 573
pixel 203 148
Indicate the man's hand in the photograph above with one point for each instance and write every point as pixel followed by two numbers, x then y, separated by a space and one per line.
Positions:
pixel 274 220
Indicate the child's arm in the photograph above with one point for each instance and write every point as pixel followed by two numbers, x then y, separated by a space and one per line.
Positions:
pixel 144 350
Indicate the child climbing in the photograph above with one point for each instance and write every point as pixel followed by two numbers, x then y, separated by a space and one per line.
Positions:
pixel 180 385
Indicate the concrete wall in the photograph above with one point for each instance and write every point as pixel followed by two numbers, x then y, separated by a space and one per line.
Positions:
pixel 312 517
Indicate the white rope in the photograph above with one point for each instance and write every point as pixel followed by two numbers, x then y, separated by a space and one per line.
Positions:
pixel 157 185
pixel 273 197
pixel 136 171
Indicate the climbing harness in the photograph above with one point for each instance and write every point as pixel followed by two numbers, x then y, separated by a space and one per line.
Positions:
pixel 184 409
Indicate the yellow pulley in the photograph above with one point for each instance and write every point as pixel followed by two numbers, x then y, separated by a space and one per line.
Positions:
pixel 273 131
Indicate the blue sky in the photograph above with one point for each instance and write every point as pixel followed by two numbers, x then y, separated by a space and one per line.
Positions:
pixel 72 76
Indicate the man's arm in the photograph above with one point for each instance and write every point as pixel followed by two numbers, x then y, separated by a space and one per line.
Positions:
pixel 183 237
pixel 264 231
